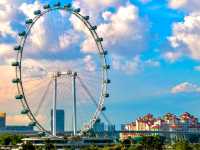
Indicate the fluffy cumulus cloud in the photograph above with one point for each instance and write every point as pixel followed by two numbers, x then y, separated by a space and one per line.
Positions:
pixel 132 66
pixel 186 35
pixel 185 87
pixel 188 5
pixel 172 56
pixel 118 29
pixel 7 14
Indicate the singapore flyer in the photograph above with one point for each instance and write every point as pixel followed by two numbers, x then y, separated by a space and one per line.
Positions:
pixel 53 72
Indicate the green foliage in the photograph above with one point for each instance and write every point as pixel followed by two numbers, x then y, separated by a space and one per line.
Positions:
pixel 152 143
pixel 136 147
pixel 48 145
pixel 9 139
pixel 182 145
pixel 28 146
pixel 196 147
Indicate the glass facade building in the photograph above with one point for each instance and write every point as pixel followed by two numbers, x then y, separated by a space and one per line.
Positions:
pixel 2 119
pixel 60 121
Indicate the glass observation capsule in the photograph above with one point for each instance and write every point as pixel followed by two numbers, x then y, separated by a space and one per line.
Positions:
pixel 19 96
pixel 77 10
pixel 66 6
pixel 94 28
pixel 29 21
pixel 106 66
pixel 107 81
pixel 103 108
pixel 99 40
pixel 37 12
pixel 16 80
pixel 86 17
pixel 58 4
pixel 24 112
pixel 47 6
pixel 106 95
pixel 15 64
pixel 23 33
pixel 32 124
pixel 17 48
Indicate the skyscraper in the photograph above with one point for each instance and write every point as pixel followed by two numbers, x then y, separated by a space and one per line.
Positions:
pixel 60 121
pixel 2 119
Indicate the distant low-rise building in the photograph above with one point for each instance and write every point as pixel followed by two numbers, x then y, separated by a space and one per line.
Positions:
pixel 169 122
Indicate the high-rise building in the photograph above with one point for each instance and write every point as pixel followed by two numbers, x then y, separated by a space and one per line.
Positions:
pixel 111 128
pixel 60 121
pixel 99 126
pixel 2 119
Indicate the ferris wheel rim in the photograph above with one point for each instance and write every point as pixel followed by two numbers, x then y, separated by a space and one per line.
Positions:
pixel 101 53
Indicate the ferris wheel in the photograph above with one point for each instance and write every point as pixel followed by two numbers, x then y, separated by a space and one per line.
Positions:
pixel 46 76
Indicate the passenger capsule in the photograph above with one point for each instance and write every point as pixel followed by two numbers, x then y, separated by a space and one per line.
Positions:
pixel 94 28
pixel 57 4
pixel 77 10
pixel 46 6
pixel 99 40
pixel 17 48
pixel 25 111
pixel 106 66
pixel 37 12
pixel 29 21
pixel 16 80
pixel 106 95
pixel 22 33
pixel 32 124
pixel 103 108
pixel 86 17
pixel 66 6
pixel 107 81
pixel 15 64
pixel 19 97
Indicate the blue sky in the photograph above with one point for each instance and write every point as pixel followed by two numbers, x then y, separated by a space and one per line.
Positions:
pixel 152 44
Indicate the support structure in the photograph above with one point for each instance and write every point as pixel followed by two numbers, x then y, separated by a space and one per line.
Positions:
pixel 74 75
pixel 54 104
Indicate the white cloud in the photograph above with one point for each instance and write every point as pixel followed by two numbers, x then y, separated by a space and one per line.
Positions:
pixel 7 14
pixel 188 5
pixel 132 66
pixel 67 39
pixel 172 56
pixel 152 63
pixel 197 68
pixel 185 87
pixel 145 1
pixel 186 36
pixel 120 28
pixel 28 9
pixel 89 63
pixel 126 66
pixel 177 3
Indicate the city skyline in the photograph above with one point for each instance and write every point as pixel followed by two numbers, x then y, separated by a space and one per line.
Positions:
pixel 152 48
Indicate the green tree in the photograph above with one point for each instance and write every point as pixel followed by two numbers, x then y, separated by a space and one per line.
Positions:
pixel 182 145
pixel 126 143
pixel 136 147
pixel 28 146
pixel 48 145
pixel 152 143
pixel 196 146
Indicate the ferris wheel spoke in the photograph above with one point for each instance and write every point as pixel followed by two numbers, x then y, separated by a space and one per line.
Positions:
pixel 37 88
pixel 43 98
pixel 93 99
